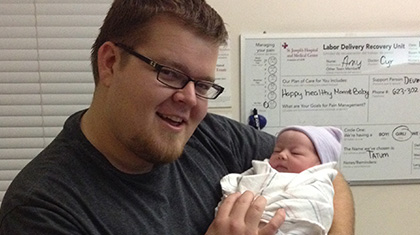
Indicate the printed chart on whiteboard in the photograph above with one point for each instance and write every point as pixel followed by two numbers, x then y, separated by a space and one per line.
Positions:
pixel 369 86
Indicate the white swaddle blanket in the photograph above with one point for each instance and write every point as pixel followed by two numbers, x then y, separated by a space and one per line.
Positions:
pixel 307 197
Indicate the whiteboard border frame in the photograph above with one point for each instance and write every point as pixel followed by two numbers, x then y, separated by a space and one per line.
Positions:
pixel 243 114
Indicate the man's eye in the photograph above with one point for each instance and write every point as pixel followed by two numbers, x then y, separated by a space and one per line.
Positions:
pixel 203 86
pixel 169 74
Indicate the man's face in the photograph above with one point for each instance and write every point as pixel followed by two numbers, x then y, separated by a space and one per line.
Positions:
pixel 294 152
pixel 148 118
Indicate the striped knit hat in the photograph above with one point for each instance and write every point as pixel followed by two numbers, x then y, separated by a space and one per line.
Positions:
pixel 327 140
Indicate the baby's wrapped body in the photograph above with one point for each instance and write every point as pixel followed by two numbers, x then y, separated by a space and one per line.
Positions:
pixel 306 197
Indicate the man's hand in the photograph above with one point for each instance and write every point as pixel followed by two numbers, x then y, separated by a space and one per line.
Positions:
pixel 241 214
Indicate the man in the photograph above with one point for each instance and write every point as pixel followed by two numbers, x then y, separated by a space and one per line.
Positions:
pixel 145 158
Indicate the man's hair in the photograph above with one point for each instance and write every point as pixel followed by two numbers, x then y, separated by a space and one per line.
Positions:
pixel 127 18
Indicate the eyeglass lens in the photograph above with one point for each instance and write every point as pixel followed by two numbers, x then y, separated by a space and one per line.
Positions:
pixel 178 80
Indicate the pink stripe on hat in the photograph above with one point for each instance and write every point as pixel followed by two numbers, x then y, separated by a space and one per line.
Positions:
pixel 326 139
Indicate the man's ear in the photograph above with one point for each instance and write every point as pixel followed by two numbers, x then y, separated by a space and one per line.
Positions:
pixel 108 59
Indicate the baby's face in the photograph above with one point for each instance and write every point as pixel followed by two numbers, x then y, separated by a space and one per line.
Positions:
pixel 294 152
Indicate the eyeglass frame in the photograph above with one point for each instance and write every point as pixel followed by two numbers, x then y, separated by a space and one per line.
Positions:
pixel 158 67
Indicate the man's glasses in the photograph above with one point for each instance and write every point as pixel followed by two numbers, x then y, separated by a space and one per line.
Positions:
pixel 176 79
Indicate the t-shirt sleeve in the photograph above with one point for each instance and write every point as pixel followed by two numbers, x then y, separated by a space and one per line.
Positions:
pixel 238 144
pixel 36 220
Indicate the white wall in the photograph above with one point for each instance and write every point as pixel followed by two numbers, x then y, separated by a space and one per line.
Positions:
pixel 390 209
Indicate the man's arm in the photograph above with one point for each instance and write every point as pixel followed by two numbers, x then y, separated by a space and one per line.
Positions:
pixel 36 220
pixel 343 221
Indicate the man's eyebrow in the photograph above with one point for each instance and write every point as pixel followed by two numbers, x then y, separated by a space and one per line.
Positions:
pixel 174 65
pixel 207 78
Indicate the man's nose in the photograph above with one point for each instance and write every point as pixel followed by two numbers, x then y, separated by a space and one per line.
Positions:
pixel 187 94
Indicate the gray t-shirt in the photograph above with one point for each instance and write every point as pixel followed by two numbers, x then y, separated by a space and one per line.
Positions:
pixel 70 187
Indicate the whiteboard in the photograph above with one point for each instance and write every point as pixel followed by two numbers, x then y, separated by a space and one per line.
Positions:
pixel 367 85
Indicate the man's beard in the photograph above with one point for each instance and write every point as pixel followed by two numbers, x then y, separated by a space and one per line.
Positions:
pixel 155 152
